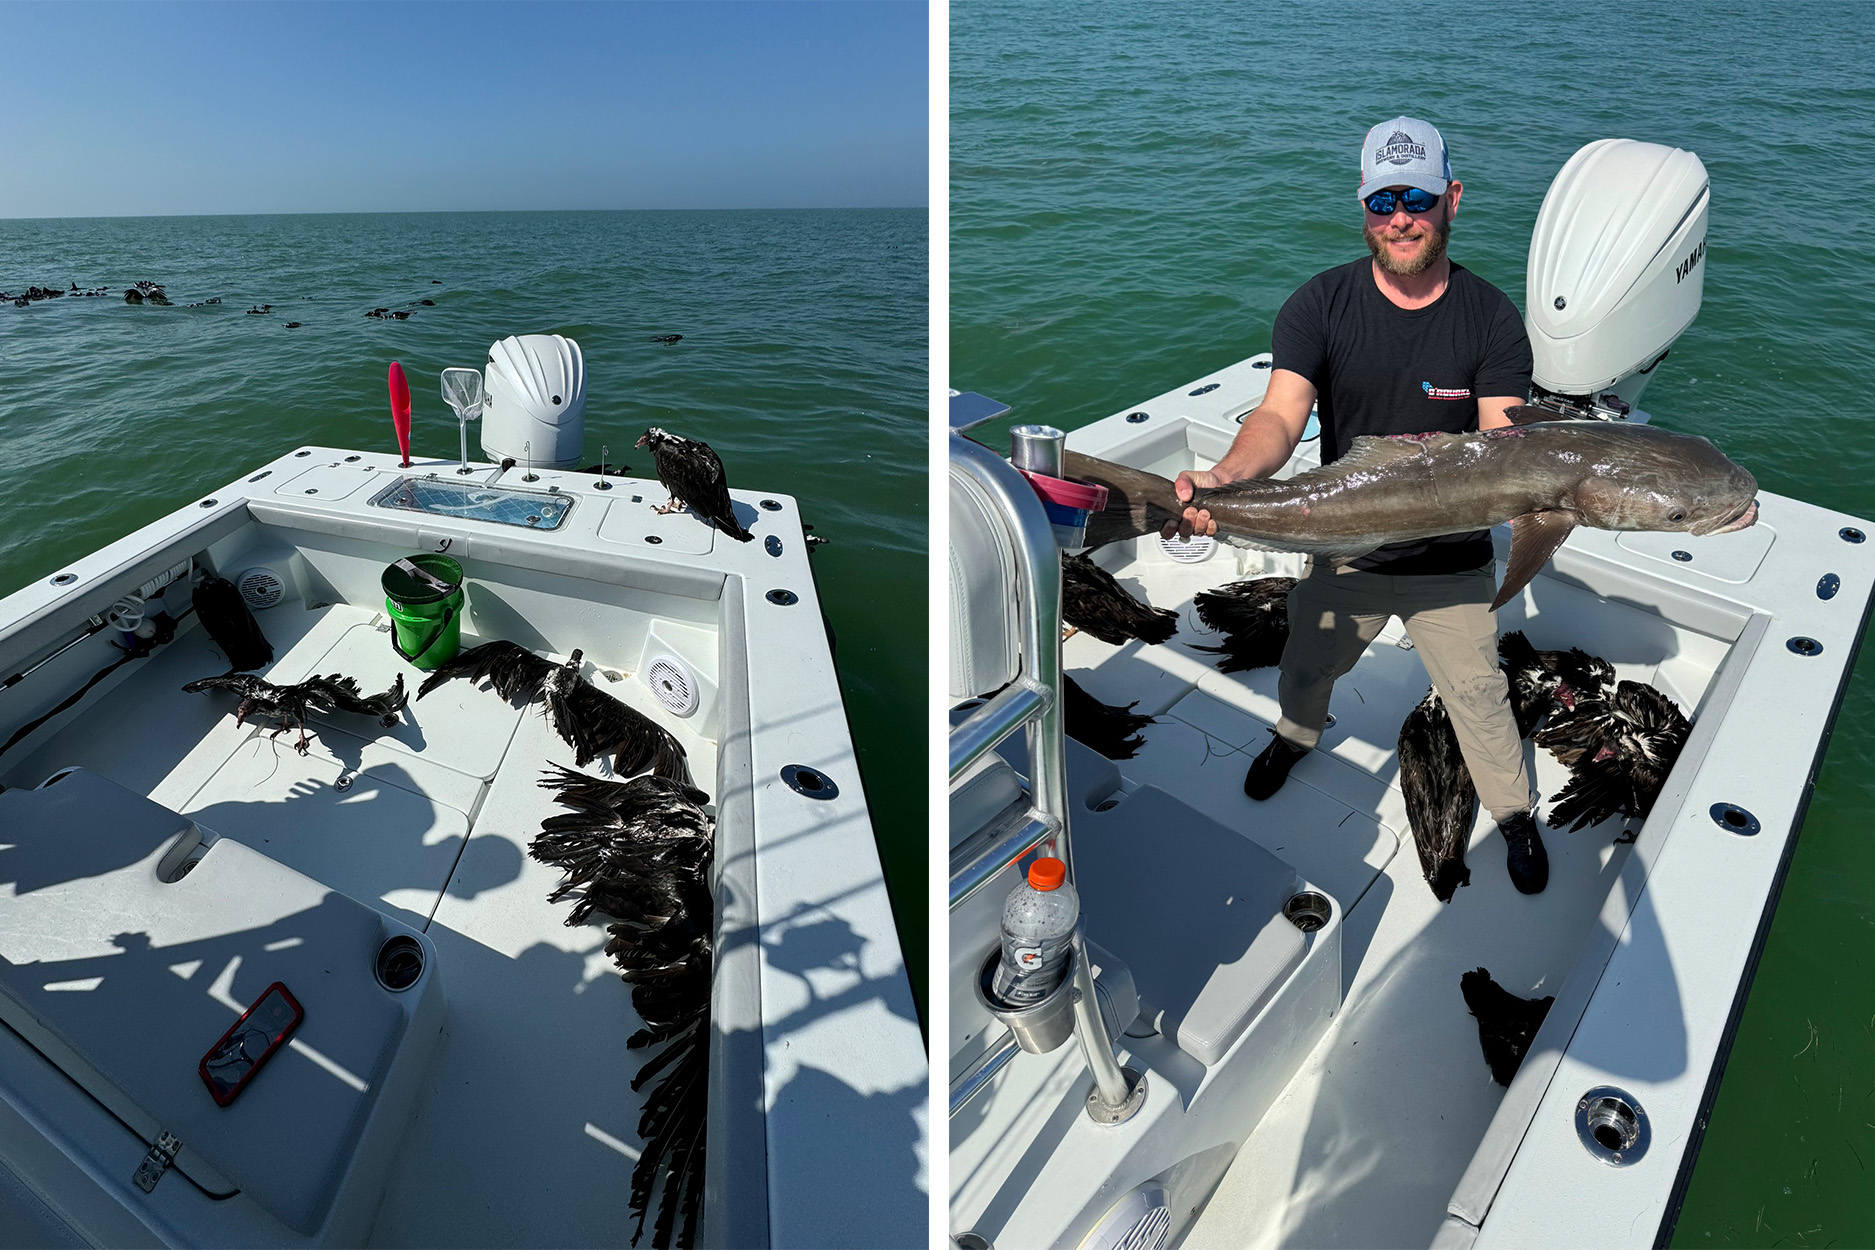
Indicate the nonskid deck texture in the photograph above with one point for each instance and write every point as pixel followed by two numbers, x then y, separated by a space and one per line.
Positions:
pixel 528 1126
pixel 1368 1141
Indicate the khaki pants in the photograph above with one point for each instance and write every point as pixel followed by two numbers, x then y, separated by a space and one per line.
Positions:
pixel 1335 613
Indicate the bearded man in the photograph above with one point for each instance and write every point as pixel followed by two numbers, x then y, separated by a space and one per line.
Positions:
pixel 1402 341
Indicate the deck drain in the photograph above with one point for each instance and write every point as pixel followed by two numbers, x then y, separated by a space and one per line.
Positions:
pixel 64 579
pixel 1261 364
pixel 1308 911
pixel 1805 646
pixel 400 963
pixel 1612 1126
pixel 1206 389
pixel 809 782
pixel 1134 418
pixel 260 475
pixel 307 452
pixel 783 597
pixel 772 545
pixel 653 539
pixel 771 505
pixel 1106 805
pixel 1734 819
pixel 1684 557
pixel 1827 586
pixel 208 503
pixel 1850 534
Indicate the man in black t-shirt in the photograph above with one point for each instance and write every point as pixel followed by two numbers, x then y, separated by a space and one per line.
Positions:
pixel 1402 341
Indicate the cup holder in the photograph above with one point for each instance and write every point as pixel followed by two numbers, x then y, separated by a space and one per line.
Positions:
pixel 1308 911
pixel 400 963
pixel 1038 1027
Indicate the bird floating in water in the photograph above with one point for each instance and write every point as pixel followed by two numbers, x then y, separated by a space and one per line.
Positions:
pixel 1093 602
pixel 292 704
pixel 1507 1024
pixel 693 474
pixel 588 720
pixel 1253 616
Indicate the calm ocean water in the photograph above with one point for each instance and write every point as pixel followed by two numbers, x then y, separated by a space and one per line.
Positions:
pixel 803 363
pixel 1135 190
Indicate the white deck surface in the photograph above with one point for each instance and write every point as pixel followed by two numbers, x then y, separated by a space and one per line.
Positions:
pixel 1366 1144
pixel 528 1130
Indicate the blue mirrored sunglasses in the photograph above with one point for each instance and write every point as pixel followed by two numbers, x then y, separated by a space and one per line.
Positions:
pixel 1413 200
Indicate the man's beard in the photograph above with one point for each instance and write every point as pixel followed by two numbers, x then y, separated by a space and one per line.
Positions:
pixel 1428 256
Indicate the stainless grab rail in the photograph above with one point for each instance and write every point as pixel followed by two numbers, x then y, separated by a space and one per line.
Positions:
pixel 1031 701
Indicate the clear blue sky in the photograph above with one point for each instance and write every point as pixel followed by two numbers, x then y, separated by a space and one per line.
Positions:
pixel 168 108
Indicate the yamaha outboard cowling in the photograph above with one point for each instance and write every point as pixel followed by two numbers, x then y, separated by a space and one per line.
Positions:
pixel 535 409
pixel 1617 272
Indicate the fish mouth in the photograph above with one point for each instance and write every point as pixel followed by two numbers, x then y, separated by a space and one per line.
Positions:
pixel 1742 519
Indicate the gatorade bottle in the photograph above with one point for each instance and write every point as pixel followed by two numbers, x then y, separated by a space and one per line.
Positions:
pixel 1038 925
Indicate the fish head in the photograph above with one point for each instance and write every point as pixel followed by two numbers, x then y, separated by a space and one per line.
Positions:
pixel 1678 483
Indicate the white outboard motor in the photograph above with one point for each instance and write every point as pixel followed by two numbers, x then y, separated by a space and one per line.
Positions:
pixel 1617 272
pixel 536 406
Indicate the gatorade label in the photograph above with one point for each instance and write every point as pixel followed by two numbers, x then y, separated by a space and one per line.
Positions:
pixel 1028 957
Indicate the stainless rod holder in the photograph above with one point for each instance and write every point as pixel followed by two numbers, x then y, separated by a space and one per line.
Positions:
pixel 1037 448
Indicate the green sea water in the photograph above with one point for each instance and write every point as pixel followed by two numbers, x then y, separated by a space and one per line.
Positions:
pixel 803 363
pixel 1136 189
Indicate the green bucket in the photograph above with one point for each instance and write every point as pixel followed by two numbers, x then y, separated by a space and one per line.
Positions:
pixel 425 611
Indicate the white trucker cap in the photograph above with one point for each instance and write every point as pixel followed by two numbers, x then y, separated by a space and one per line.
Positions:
pixel 1404 152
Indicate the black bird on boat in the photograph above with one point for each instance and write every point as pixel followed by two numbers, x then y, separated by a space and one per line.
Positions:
pixel 649 826
pixel 693 474
pixel 292 704
pixel 641 850
pixel 1507 1024
pixel 1253 616
pixel 1434 779
pixel 1092 601
pixel 1623 771
pixel 588 720
pixel 1112 731
pixel 1549 683
pixel 1439 794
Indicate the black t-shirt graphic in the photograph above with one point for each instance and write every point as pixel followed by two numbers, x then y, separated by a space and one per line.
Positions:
pixel 1381 369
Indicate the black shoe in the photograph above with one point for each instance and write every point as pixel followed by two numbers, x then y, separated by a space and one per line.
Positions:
pixel 1269 770
pixel 1524 854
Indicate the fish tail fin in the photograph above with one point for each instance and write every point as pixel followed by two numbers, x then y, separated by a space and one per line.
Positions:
pixel 1138 503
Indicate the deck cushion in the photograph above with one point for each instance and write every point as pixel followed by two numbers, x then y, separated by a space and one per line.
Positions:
pixel 1194 909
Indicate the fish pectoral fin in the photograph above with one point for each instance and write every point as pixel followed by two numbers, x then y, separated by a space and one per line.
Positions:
pixel 1534 537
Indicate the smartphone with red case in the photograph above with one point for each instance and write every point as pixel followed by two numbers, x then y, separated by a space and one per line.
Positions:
pixel 262 1029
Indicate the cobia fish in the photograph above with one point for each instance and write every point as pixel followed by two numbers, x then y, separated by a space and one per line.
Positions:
pixel 1543 476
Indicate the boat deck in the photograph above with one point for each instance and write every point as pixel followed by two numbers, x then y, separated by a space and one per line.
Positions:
pixel 1368 1141
pixel 527 1121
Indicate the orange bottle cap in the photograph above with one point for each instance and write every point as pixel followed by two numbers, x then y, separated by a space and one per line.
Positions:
pixel 1047 874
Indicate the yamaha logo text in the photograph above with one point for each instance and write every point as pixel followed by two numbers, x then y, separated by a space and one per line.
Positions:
pixel 1686 266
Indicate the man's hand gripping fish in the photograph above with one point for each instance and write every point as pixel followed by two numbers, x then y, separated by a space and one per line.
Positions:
pixel 1543 476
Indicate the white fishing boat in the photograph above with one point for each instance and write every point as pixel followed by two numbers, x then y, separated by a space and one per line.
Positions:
pixel 429 1053
pixel 1282 1055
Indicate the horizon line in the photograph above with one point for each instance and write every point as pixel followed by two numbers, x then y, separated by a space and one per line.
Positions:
pixel 391 212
